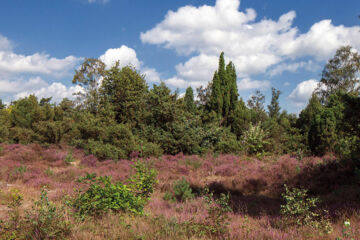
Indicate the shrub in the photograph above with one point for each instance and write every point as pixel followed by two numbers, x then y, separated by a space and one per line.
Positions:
pixel 182 191
pixel 143 181
pixel 217 220
pixel 103 196
pixel 299 208
pixel 104 150
pixel 45 221
pixel 69 157
pixel 254 140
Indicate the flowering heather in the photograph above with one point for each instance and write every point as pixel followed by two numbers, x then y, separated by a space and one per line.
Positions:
pixel 255 186
pixel 89 161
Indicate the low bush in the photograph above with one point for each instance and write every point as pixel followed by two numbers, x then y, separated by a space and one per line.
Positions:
pixel 103 196
pixel 181 191
pixel 43 221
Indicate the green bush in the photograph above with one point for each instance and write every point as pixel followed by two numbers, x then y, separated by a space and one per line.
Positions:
pixel 45 221
pixel 254 140
pixel 103 196
pixel 143 181
pixel 105 150
pixel 182 191
pixel 299 207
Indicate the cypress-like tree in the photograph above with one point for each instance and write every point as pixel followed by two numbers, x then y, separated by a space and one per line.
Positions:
pixel 274 107
pixel 231 73
pixel 189 99
pixel 216 99
pixel 224 93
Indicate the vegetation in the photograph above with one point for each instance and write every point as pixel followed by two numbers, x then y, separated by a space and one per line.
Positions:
pixel 160 166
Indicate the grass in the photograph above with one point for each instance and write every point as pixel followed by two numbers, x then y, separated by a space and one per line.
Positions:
pixel 255 188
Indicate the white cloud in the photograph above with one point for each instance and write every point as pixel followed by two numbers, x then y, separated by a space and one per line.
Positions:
pixel 254 46
pixel 151 75
pixel 56 90
pixel 248 84
pixel 293 67
pixel 197 70
pixel 38 63
pixel 7 86
pixel 303 91
pixel 5 44
pixel 125 56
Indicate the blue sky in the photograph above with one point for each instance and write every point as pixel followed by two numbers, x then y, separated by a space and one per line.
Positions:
pixel 277 43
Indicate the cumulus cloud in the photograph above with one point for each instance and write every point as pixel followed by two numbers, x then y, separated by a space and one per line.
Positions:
pixel 125 56
pixel 14 86
pixel 303 91
pixel 248 84
pixel 255 47
pixel 57 91
pixel 293 67
pixel 38 63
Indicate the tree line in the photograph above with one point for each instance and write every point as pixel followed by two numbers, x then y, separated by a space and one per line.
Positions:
pixel 117 115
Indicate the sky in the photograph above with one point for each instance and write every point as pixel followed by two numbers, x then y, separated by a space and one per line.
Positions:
pixel 273 43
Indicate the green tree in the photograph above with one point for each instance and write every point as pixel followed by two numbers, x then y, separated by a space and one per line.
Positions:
pixel 340 74
pixel 189 100
pixel 88 77
pixel 125 89
pixel 274 107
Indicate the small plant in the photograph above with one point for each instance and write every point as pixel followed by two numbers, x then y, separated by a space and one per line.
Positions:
pixel 69 157
pixel 181 191
pixel 45 220
pixel 346 232
pixel 217 220
pixel 49 172
pixel 144 180
pixel 299 207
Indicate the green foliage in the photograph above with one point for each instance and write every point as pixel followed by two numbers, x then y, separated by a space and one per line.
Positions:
pixel 43 221
pixel 299 207
pixel 223 90
pixel 143 181
pixel 103 196
pixel 125 89
pixel 347 147
pixel 189 100
pixel 340 74
pixel 346 232
pixel 254 140
pixel 217 220
pixel 46 221
pixel 69 157
pixel 182 190
pixel 274 107
pixel 87 77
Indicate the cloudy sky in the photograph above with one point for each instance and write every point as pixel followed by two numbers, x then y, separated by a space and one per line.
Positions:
pixel 273 43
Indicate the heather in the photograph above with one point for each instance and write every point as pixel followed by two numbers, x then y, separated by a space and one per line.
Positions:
pixel 226 199
pixel 125 161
